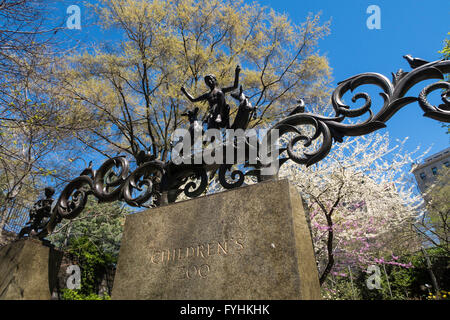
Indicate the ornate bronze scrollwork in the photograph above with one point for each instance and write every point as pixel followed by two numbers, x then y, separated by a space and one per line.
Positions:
pixel 159 183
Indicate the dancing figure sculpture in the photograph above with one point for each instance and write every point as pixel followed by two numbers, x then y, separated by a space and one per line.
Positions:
pixel 219 111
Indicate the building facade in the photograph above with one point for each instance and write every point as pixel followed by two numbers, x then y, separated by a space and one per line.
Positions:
pixel 427 171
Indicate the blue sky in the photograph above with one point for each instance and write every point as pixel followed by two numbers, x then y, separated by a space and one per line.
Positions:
pixel 413 27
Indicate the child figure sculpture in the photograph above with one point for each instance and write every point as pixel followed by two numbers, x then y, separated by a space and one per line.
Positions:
pixel 41 209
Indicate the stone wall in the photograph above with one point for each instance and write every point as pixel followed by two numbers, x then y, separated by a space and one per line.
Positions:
pixel 28 270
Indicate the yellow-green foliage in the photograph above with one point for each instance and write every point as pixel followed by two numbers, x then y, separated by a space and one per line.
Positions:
pixel 438 209
pixel 130 93
pixel 446 51
pixel 68 294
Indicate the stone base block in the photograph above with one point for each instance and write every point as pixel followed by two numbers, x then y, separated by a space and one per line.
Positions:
pixel 251 243
pixel 28 270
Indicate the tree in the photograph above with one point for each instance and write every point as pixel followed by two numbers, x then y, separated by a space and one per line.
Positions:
pixel 30 147
pixel 434 225
pixel 92 241
pixel 94 265
pixel 128 94
pixel 361 204
pixel 28 110
pixel 446 50
pixel 101 224
pixel 25 34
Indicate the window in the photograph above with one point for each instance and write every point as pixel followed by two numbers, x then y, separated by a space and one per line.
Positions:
pixel 423 176
pixel 434 170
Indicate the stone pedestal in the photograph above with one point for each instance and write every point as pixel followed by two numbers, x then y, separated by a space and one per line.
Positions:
pixel 28 270
pixel 251 243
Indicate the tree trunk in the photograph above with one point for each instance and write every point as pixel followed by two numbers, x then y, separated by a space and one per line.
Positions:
pixel 430 271
pixel 330 263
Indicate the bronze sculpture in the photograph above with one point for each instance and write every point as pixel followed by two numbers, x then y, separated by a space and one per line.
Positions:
pixel 245 111
pixel 41 209
pixel 219 111
pixel 161 183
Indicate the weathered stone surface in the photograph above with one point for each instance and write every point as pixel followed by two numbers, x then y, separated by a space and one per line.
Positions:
pixel 250 243
pixel 28 270
pixel 7 237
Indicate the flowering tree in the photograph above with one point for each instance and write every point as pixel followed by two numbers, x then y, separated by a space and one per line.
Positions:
pixel 360 202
